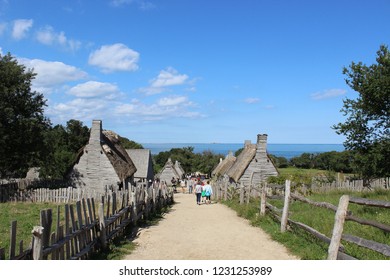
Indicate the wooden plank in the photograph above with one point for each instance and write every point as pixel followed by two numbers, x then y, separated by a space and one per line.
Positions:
pixel 283 224
pixel 263 201
pixel 338 227
pixel 102 226
pixel 361 221
pixel 370 244
pixel 37 233
pixel 12 245
pixel 318 204
pixel 369 202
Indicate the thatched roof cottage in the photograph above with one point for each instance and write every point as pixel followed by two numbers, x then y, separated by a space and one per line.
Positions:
pixel 170 170
pixel 253 165
pixel 224 165
pixel 103 163
pixel 142 159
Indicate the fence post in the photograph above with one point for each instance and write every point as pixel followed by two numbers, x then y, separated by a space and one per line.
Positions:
pixel 338 227
pixel 225 188
pixel 283 225
pixel 242 193
pixel 38 242
pixel 263 199
pixel 102 224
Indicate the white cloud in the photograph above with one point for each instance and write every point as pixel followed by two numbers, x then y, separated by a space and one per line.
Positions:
pixel 21 27
pixel 79 108
pixel 48 36
pixel 166 78
pixel 172 101
pixel 51 74
pixel 169 77
pixel 164 108
pixel 251 100
pixel 328 93
pixel 92 89
pixel 117 57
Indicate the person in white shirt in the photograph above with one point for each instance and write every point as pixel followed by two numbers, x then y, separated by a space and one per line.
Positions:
pixel 208 192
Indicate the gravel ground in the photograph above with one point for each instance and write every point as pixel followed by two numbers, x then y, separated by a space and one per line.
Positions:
pixel 205 232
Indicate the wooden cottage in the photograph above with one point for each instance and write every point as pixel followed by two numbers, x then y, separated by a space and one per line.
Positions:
pixel 142 159
pixel 103 163
pixel 169 171
pixel 224 165
pixel 253 166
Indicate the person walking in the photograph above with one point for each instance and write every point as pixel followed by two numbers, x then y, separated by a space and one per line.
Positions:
pixel 208 192
pixel 198 192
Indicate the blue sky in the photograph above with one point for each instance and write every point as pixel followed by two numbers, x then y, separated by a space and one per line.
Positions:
pixel 196 71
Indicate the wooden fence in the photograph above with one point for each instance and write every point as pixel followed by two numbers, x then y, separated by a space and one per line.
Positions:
pixel 82 229
pixel 226 191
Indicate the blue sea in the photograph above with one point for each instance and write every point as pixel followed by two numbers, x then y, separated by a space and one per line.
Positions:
pixel 281 150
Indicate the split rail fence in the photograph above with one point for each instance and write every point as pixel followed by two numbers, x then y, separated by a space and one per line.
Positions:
pixel 82 229
pixel 336 251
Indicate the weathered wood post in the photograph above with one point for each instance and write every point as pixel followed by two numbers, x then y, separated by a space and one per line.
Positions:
pixel 283 225
pixel 102 225
pixel 37 233
pixel 225 188
pixel 338 227
pixel 263 199
pixel 249 193
pixel 12 246
pixel 242 193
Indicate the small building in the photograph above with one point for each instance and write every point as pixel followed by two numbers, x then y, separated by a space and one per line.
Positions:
pixel 142 159
pixel 103 163
pixel 253 166
pixel 169 171
pixel 224 165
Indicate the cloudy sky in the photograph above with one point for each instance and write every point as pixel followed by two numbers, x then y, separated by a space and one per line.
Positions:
pixel 196 71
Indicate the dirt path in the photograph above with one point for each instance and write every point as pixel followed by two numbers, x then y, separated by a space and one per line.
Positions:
pixel 205 232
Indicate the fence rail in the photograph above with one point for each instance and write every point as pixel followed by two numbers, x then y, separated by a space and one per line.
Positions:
pixel 81 229
pixel 228 191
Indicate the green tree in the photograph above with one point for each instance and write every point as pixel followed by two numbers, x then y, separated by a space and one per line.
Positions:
pixel 129 144
pixel 367 124
pixel 22 120
pixel 62 147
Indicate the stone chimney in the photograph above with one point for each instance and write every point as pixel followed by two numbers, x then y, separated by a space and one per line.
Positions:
pixel 96 132
pixel 262 143
pixel 247 143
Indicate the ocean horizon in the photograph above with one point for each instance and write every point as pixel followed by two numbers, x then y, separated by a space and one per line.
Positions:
pixel 280 150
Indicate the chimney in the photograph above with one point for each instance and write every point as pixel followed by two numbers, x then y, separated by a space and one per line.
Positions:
pixel 262 143
pixel 96 132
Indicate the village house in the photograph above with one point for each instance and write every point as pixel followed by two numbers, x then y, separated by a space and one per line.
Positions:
pixel 224 165
pixel 169 171
pixel 103 163
pixel 253 165
pixel 142 159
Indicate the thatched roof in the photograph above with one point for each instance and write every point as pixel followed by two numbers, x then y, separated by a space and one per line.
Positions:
pixel 242 162
pixel 141 158
pixel 224 165
pixel 120 160
pixel 168 171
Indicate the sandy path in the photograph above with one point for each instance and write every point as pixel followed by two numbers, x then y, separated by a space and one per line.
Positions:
pixel 205 232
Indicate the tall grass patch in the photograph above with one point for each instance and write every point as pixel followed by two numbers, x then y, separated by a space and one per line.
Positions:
pixel 307 246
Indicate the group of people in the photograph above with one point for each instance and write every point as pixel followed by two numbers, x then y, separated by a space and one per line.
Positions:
pixel 203 192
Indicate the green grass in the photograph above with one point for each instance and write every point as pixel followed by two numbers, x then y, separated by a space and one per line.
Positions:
pixel 27 216
pixel 309 247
